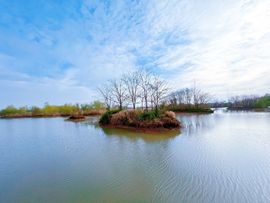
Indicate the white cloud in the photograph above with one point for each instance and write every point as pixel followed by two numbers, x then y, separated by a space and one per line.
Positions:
pixel 223 45
pixel 229 43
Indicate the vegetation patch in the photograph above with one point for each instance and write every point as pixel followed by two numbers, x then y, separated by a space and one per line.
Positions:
pixel 192 110
pixel 106 117
pixel 153 119
pixel 76 118
pixel 245 102
pixel 95 108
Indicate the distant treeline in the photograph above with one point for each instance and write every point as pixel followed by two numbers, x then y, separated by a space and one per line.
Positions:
pixel 244 102
pixel 96 107
pixel 188 100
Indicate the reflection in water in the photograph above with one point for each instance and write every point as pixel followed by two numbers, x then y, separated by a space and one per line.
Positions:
pixel 195 124
pixel 148 137
pixel 221 157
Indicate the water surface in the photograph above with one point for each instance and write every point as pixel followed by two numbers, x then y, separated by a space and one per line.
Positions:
pixel 222 157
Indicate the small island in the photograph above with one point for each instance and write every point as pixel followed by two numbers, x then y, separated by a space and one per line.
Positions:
pixel 76 118
pixel 139 120
pixel 141 101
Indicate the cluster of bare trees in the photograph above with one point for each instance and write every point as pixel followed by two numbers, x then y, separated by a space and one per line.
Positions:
pixel 188 97
pixel 136 89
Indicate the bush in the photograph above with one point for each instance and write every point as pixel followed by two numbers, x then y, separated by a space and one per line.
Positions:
pixel 36 111
pixel 150 115
pixel 96 105
pixel 263 102
pixel 11 110
pixel 126 117
pixel 106 117
pixel 96 108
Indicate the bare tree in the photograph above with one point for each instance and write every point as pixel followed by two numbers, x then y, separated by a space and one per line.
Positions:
pixel 145 78
pixel 172 99
pixel 132 83
pixel 180 96
pixel 105 91
pixel 203 98
pixel 119 92
pixel 188 96
pixel 196 93
pixel 159 90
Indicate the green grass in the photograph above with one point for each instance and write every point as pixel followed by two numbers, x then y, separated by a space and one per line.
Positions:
pixel 150 115
pixel 106 117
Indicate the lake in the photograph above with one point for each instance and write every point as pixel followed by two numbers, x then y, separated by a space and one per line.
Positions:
pixel 220 157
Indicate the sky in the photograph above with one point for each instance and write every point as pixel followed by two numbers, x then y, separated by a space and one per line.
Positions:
pixel 60 51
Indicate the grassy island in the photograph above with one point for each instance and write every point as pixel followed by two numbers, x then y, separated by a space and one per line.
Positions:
pixel 152 120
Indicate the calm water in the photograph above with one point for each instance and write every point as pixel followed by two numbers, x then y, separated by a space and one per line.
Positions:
pixel 223 157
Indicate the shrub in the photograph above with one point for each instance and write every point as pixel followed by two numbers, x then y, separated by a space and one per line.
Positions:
pixel 150 115
pixel 67 109
pixel 96 105
pixel 106 117
pixel 36 111
pixel 126 117
pixel 11 110
pixel 263 102
pixel 120 118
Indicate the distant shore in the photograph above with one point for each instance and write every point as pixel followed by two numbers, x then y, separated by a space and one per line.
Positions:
pixel 248 109
pixel 30 115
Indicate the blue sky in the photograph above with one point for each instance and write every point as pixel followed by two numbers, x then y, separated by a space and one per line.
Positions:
pixel 59 51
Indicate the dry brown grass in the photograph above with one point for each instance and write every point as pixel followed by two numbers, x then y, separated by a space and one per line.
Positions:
pixel 170 114
pixel 126 117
